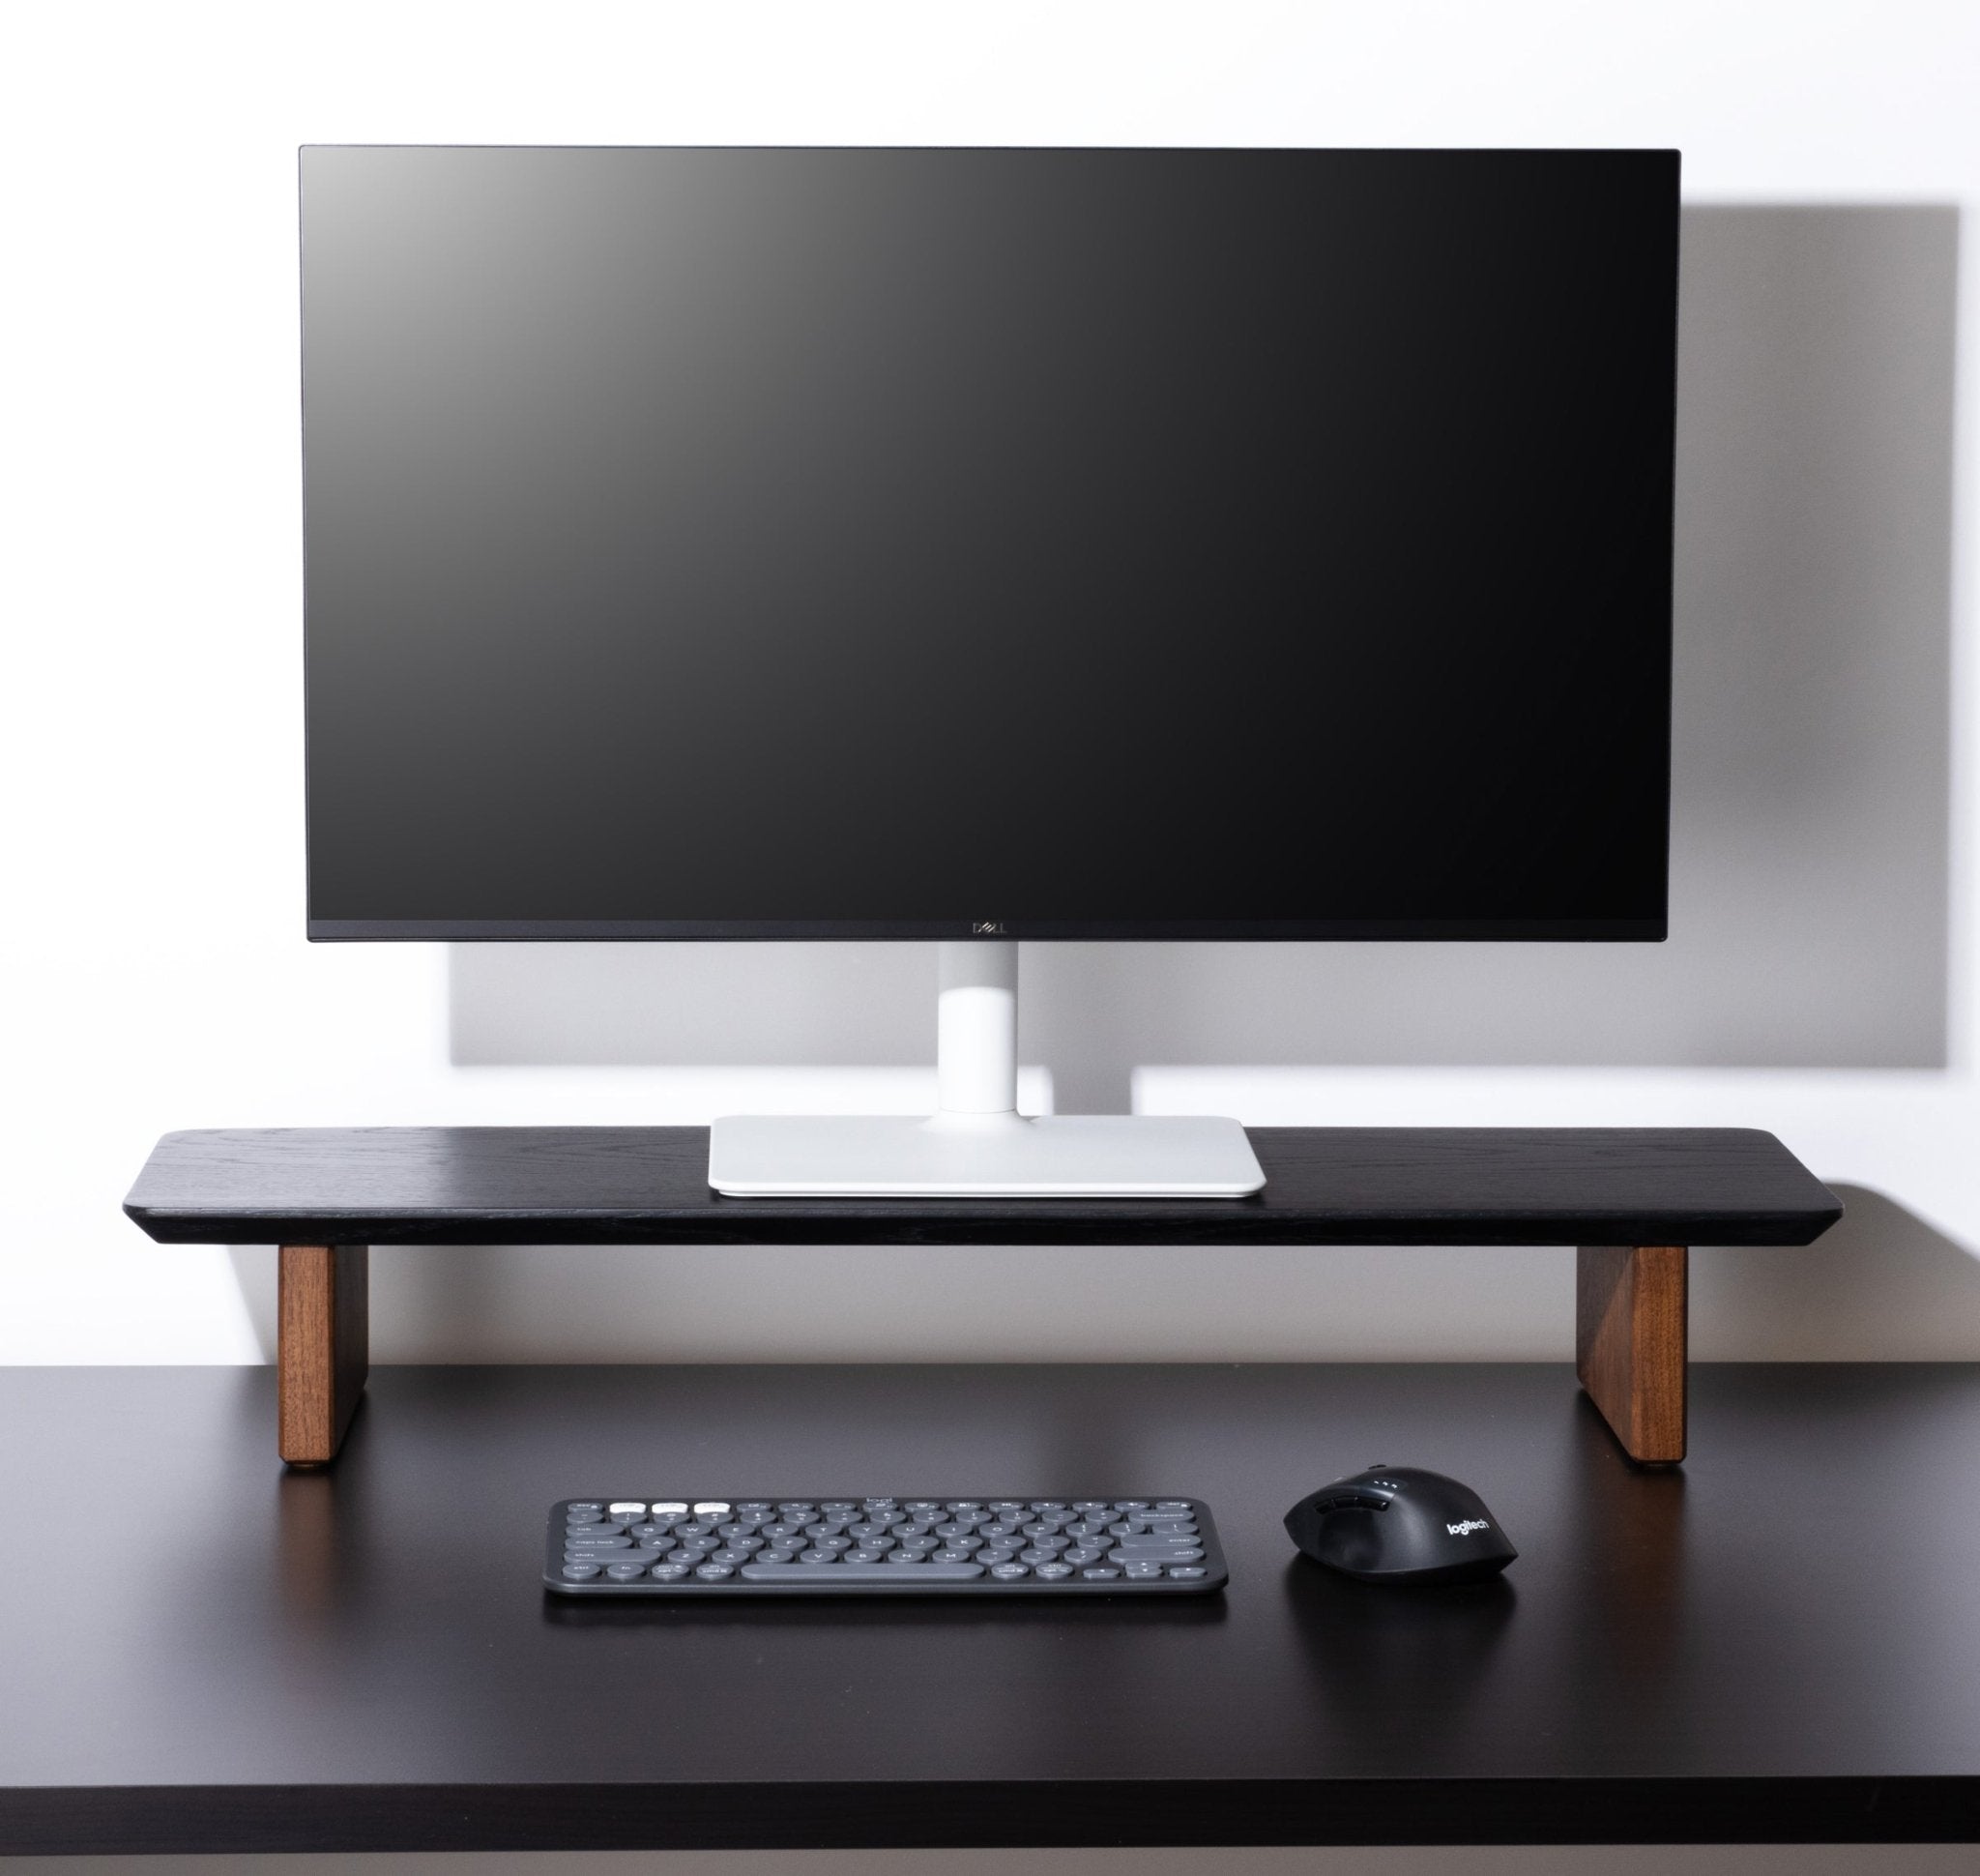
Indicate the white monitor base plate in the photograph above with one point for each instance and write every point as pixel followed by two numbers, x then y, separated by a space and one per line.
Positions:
pixel 1056 1156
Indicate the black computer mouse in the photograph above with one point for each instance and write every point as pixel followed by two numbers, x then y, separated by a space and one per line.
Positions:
pixel 1400 1524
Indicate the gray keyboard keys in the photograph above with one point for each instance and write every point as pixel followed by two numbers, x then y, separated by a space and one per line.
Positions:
pixel 876 1545
pixel 845 1573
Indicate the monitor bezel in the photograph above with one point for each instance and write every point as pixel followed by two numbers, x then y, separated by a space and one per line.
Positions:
pixel 1391 931
pixel 930 930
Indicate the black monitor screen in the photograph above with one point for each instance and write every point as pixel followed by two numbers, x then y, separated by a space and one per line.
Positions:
pixel 1129 543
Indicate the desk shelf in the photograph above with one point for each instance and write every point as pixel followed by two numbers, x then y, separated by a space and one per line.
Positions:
pixel 1631 1199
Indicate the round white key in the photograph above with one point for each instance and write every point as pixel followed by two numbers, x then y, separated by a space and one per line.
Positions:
pixel 709 1507
pixel 627 1507
pixel 673 1507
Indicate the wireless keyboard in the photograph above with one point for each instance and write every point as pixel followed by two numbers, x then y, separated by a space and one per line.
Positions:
pixel 882 1547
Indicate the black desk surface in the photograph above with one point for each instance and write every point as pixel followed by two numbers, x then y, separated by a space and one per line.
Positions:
pixel 648 1184
pixel 200 1654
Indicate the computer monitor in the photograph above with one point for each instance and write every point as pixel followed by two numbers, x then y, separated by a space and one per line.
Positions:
pixel 981 545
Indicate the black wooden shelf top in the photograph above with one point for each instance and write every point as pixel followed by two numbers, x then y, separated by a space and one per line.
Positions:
pixel 205 1656
pixel 648 1184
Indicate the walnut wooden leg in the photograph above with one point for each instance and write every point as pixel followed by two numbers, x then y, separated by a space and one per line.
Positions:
pixel 1630 1343
pixel 322 1349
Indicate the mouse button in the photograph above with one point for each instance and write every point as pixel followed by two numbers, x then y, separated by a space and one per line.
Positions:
pixel 1370 1490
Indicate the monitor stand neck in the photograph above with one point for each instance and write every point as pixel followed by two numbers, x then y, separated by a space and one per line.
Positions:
pixel 976 1037
pixel 977 1144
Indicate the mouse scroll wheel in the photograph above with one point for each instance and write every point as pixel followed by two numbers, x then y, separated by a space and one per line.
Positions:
pixel 1353 1502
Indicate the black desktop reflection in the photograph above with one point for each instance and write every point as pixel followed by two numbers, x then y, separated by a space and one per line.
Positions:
pixel 1413 1667
pixel 789 542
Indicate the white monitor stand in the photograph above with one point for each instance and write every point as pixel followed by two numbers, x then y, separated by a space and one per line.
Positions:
pixel 977 1144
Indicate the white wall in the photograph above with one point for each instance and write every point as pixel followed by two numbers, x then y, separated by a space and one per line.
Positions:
pixel 1820 980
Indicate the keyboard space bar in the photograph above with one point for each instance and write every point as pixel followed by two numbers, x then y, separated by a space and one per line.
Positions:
pixel 823 1576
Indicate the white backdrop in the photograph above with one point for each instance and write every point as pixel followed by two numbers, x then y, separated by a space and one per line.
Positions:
pixel 1820 980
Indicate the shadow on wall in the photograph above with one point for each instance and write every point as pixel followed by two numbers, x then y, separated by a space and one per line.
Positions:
pixel 1809 830
pixel 1884 1285
pixel 1881 1285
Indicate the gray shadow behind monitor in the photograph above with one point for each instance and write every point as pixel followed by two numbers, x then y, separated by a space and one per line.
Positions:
pixel 1809 798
